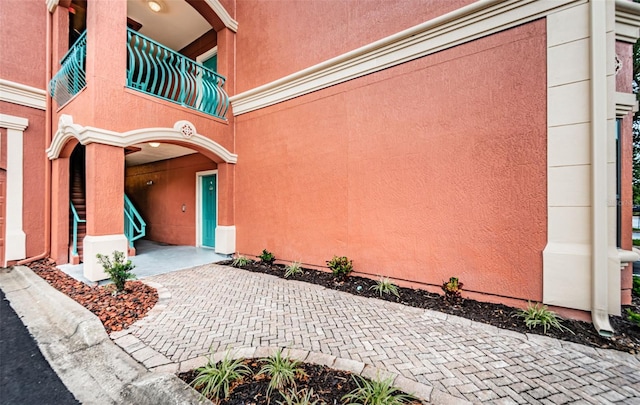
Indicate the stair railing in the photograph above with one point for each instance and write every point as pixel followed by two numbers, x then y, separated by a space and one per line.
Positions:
pixel 134 225
pixel 76 221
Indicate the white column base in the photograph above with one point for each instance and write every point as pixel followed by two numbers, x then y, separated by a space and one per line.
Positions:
pixel 15 245
pixel 225 239
pixel 566 275
pixel 104 245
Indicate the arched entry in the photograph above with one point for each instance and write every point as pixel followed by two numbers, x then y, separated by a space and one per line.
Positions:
pixel 105 159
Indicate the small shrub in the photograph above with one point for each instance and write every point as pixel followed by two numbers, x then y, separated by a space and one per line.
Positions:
pixel 267 257
pixel 292 269
pixel 539 315
pixel 282 371
pixel 385 286
pixel 214 380
pixel 452 289
pixel 241 261
pixel 636 242
pixel 340 266
pixel 302 397
pixel 636 286
pixel 375 393
pixel 118 270
pixel 633 316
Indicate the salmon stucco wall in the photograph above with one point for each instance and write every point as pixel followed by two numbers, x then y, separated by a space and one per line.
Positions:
pixel 160 203
pixel 431 169
pixel 303 33
pixel 23 26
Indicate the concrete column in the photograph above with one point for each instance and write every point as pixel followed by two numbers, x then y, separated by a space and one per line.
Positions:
pixel 105 206
pixel 60 210
pixel 226 230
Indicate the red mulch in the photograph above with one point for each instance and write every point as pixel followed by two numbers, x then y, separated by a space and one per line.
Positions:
pixel 116 312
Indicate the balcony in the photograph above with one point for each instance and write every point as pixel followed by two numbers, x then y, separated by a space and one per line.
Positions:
pixel 161 72
pixel 71 78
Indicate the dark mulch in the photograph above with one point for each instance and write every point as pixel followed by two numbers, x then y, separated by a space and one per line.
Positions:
pixel 328 385
pixel 116 312
pixel 627 337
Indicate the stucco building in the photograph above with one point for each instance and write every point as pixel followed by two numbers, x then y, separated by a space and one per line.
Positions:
pixel 488 140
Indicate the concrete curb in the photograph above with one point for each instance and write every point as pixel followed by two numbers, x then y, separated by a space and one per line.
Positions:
pixel 79 350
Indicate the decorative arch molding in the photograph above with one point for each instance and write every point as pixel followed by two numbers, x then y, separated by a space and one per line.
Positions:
pixel 182 132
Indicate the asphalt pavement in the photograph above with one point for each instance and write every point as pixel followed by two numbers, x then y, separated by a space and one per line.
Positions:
pixel 25 375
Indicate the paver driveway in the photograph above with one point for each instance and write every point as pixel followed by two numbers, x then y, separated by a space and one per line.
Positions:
pixel 219 307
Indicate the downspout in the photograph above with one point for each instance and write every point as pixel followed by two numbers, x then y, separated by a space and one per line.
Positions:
pixel 599 135
pixel 48 132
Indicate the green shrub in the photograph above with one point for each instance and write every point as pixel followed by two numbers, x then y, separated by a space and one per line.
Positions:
pixel 452 289
pixel 633 316
pixel 118 270
pixel 292 269
pixel 281 370
pixel 267 257
pixel 340 266
pixel 636 286
pixel 302 397
pixel 385 286
pixel 636 242
pixel 539 315
pixel 241 261
pixel 214 380
pixel 375 393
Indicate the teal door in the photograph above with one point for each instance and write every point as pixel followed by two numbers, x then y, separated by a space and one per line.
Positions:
pixel 212 63
pixel 208 204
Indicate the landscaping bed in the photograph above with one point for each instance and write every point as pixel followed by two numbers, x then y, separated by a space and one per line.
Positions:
pixel 626 338
pixel 115 312
pixel 323 384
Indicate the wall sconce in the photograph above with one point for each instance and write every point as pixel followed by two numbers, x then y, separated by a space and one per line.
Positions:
pixel 184 208
pixel 150 183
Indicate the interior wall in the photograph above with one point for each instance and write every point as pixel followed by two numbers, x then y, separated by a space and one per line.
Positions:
pixel 431 169
pixel 160 189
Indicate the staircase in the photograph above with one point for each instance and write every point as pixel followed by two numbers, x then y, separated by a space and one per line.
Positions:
pixel 78 214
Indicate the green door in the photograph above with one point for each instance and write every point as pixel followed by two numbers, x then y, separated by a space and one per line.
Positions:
pixel 209 202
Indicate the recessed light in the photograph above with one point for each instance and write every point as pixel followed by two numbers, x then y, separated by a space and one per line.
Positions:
pixel 154 144
pixel 155 5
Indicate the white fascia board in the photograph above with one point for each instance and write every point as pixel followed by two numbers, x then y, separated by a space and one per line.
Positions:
pixel 466 24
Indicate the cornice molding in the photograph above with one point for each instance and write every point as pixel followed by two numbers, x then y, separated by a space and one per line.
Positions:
pixel 22 94
pixel 183 131
pixel 13 122
pixel 476 20
pixel 627 21
pixel 625 103
pixel 222 13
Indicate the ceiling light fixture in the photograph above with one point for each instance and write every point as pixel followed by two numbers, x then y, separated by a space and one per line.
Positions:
pixel 154 144
pixel 155 5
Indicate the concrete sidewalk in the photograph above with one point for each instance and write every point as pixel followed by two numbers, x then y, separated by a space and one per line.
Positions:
pixel 447 358
pixel 79 350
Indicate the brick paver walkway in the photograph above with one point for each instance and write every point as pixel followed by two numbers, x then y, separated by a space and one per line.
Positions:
pixel 218 307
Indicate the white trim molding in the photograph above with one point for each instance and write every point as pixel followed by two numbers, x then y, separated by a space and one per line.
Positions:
pixel 15 238
pixel 24 95
pixel 222 13
pixel 182 132
pixel 476 20
pixel 627 21
pixel 51 5
pixel 207 55
pixel 625 103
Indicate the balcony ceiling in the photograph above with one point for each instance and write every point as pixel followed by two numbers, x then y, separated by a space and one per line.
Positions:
pixel 175 26
pixel 149 154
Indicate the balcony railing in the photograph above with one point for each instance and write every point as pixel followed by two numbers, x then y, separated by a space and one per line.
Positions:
pixel 71 78
pixel 159 71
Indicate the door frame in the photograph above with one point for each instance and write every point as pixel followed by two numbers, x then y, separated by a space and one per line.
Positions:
pixel 199 176
pixel 208 54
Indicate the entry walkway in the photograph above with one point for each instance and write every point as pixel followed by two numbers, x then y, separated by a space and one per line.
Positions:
pixel 153 258
pixel 223 308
